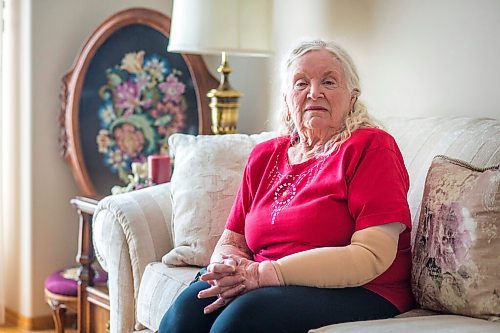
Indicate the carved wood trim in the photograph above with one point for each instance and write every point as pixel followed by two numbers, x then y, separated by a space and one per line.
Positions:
pixel 63 135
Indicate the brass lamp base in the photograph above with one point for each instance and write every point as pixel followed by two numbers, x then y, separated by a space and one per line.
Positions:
pixel 224 103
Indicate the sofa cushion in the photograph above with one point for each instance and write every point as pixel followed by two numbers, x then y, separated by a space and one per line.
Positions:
pixel 455 255
pixel 475 140
pixel 207 173
pixel 434 324
pixel 160 286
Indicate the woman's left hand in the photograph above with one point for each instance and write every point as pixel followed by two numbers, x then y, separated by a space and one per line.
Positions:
pixel 246 272
pixel 230 278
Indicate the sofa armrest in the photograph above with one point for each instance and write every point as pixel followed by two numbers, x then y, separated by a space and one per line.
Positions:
pixel 129 231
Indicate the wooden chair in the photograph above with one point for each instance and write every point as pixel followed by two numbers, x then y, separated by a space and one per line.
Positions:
pixel 66 289
pixel 61 294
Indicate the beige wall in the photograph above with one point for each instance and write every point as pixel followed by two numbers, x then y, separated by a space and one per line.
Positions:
pixel 416 58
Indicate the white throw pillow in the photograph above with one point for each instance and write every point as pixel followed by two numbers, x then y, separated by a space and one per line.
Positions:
pixel 207 173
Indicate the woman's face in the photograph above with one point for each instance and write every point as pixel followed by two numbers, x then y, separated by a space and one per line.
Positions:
pixel 318 97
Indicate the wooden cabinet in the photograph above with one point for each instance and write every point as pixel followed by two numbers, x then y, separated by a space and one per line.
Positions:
pixel 97 309
pixel 93 301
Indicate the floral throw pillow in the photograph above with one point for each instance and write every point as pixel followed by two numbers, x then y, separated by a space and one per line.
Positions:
pixel 207 173
pixel 456 255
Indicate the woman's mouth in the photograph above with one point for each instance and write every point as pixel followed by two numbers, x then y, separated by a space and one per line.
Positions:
pixel 315 108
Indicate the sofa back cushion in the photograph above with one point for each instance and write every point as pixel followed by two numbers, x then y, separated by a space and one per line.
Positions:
pixel 475 140
pixel 208 170
pixel 456 252
pixel 207 173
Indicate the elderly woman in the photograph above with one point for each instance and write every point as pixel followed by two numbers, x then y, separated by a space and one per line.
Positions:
pixel 319 232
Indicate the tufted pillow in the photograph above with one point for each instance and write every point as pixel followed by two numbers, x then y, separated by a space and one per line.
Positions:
pixel 207 174
pixel 456 262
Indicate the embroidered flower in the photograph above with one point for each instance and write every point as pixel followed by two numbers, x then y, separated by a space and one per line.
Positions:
pixel 103 140
pixel 116 159
pixel 172 89
pixel 145 81
pixel 170 118
pixel 156 69
pixel 132 62
pixel 107 114
pixel 129 139
pixel 127 96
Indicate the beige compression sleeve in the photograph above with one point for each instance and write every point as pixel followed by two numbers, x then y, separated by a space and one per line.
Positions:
pixel 371 252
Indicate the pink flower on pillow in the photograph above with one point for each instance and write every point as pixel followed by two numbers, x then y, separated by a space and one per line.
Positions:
pixel 449 238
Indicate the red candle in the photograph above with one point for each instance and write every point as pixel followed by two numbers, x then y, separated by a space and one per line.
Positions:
pixel 159 169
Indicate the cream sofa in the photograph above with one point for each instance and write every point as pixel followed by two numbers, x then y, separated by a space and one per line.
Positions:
pixel 133 231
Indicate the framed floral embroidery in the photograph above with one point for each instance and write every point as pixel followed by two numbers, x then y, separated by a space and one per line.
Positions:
pixel 125 95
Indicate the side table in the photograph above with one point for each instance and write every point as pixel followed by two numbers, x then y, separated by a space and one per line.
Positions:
pixel 93 301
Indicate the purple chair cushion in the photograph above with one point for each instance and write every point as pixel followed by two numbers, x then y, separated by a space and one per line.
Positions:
pixel 65 281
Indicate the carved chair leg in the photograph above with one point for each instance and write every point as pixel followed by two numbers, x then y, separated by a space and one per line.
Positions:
pixel 59 315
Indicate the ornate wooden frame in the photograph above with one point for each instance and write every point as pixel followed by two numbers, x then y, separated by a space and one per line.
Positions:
pixel 72 82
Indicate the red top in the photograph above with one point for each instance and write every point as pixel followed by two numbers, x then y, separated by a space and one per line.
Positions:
pixel 283 209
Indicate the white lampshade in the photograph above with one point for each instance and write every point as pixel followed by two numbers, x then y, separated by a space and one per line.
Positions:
pixel 239 27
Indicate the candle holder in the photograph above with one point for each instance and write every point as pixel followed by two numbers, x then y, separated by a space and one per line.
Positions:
pixel 159 169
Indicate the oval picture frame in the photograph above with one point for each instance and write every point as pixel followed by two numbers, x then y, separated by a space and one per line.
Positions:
pixel 124 95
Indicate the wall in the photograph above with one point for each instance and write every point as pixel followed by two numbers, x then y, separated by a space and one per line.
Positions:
pixel 415 58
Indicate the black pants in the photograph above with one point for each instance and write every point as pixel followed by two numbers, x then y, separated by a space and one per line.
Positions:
pixel 275 309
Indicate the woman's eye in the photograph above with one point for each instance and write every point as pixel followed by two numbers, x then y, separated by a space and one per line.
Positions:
pixel 330 83
pixel 300 84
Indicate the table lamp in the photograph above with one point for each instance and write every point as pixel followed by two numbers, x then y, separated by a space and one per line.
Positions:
pixel 235 27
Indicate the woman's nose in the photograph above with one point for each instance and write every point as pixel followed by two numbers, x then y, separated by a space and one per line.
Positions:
pixel 315 91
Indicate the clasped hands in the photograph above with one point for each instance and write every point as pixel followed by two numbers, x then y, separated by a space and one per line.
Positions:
pixel 234 276
pixel 229 278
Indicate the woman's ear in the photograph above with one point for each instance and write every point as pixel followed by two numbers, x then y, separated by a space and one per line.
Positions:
pixel 354 98
pixel 285 102
pixel 288 114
